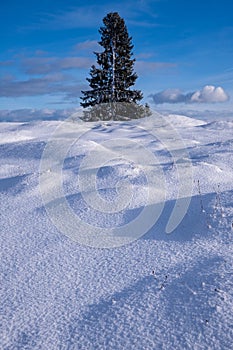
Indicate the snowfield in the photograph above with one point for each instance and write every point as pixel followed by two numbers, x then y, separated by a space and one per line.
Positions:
pixel 94 276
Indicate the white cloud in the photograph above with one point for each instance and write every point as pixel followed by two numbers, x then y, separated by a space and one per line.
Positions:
pixel 208 94
pixel 169 96
pixel 6 63
pixel 50 84
pixel 44 65
pixel 28 114
pixel 88 45
pixel 148 66
pixel 86 15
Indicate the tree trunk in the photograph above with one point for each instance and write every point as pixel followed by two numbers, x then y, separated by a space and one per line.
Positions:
pixel 113 70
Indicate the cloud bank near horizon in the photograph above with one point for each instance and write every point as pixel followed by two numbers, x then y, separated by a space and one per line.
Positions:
pixel 50 114
pixel 33 114
pixel 208 94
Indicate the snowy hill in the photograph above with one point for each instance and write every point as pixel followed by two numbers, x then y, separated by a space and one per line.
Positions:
pixel 117 235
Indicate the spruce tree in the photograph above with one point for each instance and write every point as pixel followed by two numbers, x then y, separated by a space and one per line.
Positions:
pixel 111 96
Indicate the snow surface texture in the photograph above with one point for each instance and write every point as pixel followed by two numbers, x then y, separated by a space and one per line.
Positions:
pixel 158 291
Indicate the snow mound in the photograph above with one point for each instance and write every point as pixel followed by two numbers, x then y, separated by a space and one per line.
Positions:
pixel 183 121
pixel 161 291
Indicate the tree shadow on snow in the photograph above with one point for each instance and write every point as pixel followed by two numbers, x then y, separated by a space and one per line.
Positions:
pixel 153 311
pixel 202 215
pixel 13 184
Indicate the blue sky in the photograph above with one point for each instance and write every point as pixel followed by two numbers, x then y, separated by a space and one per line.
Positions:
pixel 183 51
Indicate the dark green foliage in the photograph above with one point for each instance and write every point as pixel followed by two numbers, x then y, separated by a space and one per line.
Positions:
pixel 111 81
pixel 116 111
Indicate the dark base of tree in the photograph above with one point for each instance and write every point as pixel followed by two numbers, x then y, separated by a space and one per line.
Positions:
pixel 116 111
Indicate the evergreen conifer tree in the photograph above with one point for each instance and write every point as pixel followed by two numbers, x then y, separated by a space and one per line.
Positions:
pixel 112 80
